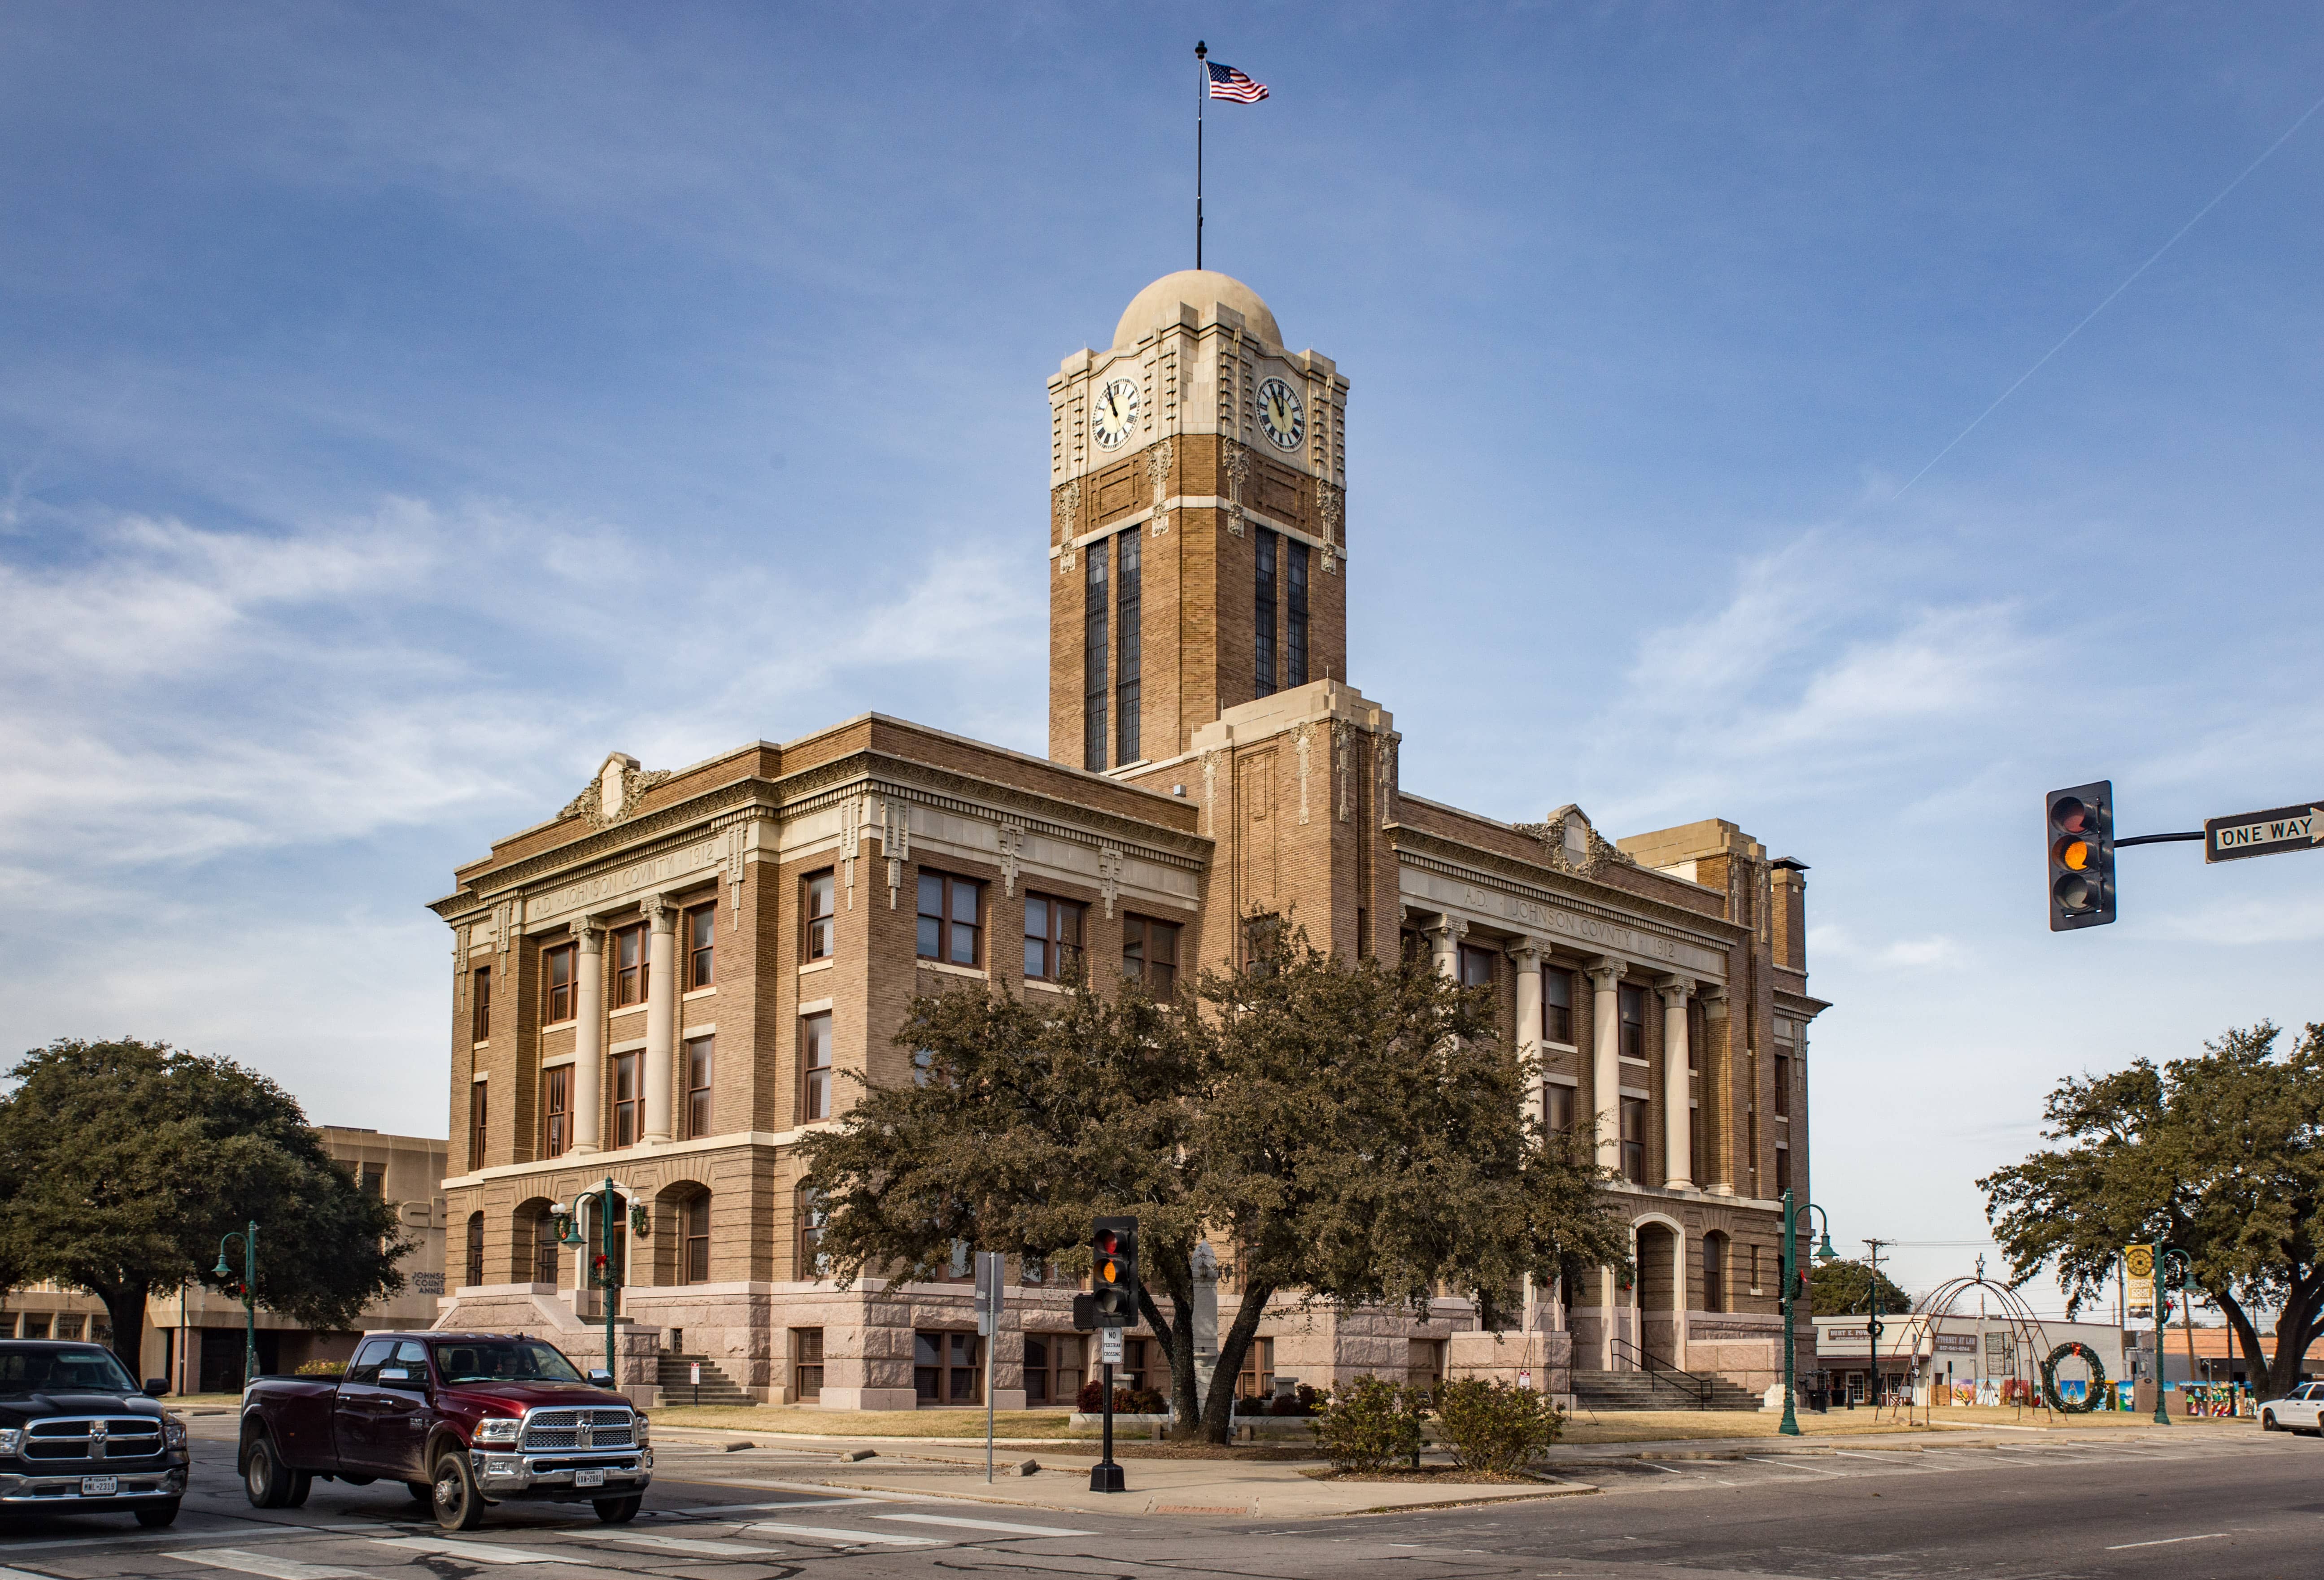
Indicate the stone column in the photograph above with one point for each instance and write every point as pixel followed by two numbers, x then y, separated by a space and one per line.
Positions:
pixel 588 1034
pixel 1678 1121
pixel 1527 954
pixel 1717 1098
pixel 1445 946
pixel 1606 1068
pixel 661 1014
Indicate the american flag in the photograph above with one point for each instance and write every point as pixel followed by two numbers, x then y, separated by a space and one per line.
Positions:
pixel 1227 83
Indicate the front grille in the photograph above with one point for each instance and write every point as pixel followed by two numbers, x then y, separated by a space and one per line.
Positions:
pixel 584 1429
pixel 93 1439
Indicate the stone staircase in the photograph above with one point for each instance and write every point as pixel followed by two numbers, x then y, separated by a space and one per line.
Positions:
pixel 1620 1390
pixel 717 1388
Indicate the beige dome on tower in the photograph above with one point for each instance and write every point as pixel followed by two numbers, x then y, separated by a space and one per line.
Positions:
pixel 1160 303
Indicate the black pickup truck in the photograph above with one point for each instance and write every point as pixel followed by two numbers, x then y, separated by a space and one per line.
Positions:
pixel 78 1437
pixel 463 1419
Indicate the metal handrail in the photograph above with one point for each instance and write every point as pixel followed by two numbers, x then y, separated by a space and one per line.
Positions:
pixel 1693 1384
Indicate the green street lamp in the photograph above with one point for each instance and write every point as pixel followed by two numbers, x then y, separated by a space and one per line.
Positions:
pixel 248 1236
pixel 2163 1284
pixel 1823 1253
pixel 607 1274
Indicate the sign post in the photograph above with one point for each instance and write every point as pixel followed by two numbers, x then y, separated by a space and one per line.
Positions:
pixel 2276 831
pixel 989 1273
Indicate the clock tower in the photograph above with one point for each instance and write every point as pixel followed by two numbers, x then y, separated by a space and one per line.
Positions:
pixel 1197 547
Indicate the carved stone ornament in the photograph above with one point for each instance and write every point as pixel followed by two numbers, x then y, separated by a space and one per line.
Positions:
pixel 1331 504
pixel 1158 470
pixel 1065 509
pixel 1570 844
pixel 1011 839
pixel 1236 463
pixel 1301 741
pixel 895 844
pixel 1211 792
pixel 1343 750
pixel 1109 874
pixel 614 793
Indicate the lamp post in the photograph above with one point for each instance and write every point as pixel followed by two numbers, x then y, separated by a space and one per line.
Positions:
pixel 1823 1253
pixel 609 1278
pixel 2163 1258
pixel 248 1236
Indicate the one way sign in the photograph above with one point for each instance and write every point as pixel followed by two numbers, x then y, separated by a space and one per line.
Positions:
pixel 2264 834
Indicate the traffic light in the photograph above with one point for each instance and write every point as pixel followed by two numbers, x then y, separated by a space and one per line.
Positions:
pixel 2081 856
pixel 1113 1271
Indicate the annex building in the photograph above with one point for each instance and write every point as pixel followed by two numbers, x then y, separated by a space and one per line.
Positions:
pixel 666 982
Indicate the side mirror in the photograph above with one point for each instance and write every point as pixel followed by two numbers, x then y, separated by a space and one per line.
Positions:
pixel 599 1377
pixel 155 1387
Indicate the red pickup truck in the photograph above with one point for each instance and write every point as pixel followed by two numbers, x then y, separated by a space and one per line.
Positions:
pixel 463 1420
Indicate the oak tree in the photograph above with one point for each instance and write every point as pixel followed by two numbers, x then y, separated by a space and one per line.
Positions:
pixel 1840 1287
pixel 2219 1156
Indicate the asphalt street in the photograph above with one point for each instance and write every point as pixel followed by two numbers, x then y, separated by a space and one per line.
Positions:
pixel 2244 1505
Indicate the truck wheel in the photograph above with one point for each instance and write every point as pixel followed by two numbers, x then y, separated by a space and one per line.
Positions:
pixel 453 1494
pixel 157 1517
pixel 264 1478
pixel 619 1510
pixel 301 1484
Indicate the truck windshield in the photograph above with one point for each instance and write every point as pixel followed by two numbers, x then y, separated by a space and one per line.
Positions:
pixel 37 1369
pixel 503 1361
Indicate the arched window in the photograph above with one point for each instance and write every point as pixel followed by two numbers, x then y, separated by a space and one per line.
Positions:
pixel 1714 1273
pixel 694 1240
pixel 544 1249
pixel 476 1248
pixel 811 1264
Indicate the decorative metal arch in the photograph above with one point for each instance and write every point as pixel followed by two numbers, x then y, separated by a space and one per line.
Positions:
pixel 2031 1341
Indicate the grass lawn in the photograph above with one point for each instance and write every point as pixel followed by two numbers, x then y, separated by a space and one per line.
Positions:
pixel 867 1423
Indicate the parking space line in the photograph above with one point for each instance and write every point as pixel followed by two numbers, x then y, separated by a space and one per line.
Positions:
pixel 250 1563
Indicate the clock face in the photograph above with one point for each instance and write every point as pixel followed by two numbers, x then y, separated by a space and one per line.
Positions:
pixel 1115 413
pixel 1280 416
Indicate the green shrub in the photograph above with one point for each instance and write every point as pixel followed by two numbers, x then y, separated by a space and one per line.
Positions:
pixel 1495 1426
pixel 1369 1423
pixel 321 1369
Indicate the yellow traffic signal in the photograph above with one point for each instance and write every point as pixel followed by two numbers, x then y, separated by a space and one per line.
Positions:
pixel 2081 856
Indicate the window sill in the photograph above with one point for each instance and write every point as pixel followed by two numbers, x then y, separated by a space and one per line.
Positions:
pixel 1627 1059
pixel 949 970
pixel 567 1024
pixel 480 1042
pixel 697 993
pixel 823 964
pixel 626 1009
pixel 1561 1048
pixel 1043 984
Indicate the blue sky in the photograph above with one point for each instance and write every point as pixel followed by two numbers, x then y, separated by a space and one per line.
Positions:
pixel 402 407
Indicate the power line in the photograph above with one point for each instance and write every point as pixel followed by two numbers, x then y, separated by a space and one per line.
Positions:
pixel 2110 296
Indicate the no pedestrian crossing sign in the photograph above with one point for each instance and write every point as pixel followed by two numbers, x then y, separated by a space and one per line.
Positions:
pixel 2264 834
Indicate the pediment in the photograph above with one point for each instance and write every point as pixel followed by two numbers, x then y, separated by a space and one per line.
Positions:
pixel 614 791
pixel 1571 844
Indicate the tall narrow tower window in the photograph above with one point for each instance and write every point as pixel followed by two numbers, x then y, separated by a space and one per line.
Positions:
pixel 1093 646
pixel 1294 611
pixel 1125 700
pixel 1263 611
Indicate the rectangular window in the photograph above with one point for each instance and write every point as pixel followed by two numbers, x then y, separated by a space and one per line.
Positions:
pixel 1149 954
pixel 1714 1273
pixel 630 967
pixel 476 1131
pixel 952 919
pixel 1294 613
pixel 807 1365
pixel 373 1179
pixel 626 1100
pixel 556 1112
pixel 817 907
pixel 557 984
pixel 1125 698
pixel 948 1368
pixel 694 1241
pixel 814 1067
pixel 1557 1006
pixel 1258 1378
pixel 701 935
pixel 1263 610
pixel 1633 1140
pixel 1783 1086
pixel 808 1220
pixel 1093 650
pixel 1476 967
pixel 1783 1170
pixel 1055 1364
pixel 480 1005
pixel 1557 1109
pixel 1053 937
pixel 698 1086
pixel 1632 1009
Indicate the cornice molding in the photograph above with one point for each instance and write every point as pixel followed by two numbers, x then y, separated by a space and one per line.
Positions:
pixel 1451 858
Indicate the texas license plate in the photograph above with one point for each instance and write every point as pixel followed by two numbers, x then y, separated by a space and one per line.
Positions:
pixel 589 1478
pixel 100 1486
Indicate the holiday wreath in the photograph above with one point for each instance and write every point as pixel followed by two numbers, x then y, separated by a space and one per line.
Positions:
pixel 2091 1395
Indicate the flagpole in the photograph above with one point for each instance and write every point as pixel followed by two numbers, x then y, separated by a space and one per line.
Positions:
pixel 1202 84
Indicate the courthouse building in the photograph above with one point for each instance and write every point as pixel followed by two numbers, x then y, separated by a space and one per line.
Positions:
pixel 670 980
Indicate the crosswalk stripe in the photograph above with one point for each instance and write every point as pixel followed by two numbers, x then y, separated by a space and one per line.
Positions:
pixel 1000 1525
pixel 475 1552
pixel 244 1563
pixel 762 1508
pixel 673 1544
pixel 829 1533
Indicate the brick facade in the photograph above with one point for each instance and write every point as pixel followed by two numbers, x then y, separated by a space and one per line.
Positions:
pixel 1240 799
